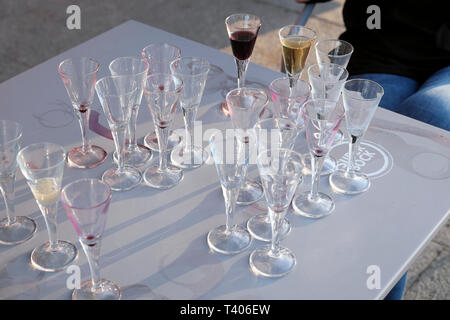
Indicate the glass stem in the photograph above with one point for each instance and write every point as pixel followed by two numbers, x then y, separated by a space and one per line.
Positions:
pixel 49 214
pixel 230 195
pixel 7 190
pixel 92 251
pixel 316 168
pixel 119 141
pixel 163 140
pixel 352 152
pixel 276 218
pixel 132 129
pixel 189 115
pixel 83 119
pixel 241 71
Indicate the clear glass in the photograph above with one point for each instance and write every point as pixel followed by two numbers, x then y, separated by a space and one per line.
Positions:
pixel 231 164
pixel 13 229
pixel 245 105
pixel 134 155
pixel 333 51
pixel 79 76
pixel 281 172
pixel 193 72
pixel 42 165
pixel 361 98
pixel 322 120
pixel 159 57
pixel 162 93
pixel 87 202
pixel 117 95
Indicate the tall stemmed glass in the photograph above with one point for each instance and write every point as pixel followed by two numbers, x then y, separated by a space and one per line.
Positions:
pixel 117 95
pixel 42 165
pixel 327 81
pixel 322 119
pixel 271 134
pixel 231 164
pixel 13 229
pixel 361 98
pixel 79 76
pixel 87 202
pixel 134 155
pixel 193 72
pixel 333 51
pixel 296 41
pixel 245 105
pixel 162 92
pixel 280 171
pixel 159 57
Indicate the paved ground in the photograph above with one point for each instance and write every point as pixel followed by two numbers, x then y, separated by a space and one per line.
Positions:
pixel 32 31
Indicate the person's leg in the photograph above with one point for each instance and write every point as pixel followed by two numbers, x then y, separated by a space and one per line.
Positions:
pixel 397 291
pixel 431 103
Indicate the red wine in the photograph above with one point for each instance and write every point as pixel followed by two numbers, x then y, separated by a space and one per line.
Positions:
pixel 83 108
pixel 242 43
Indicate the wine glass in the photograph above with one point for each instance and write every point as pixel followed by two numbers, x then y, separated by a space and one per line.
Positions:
pixel 333 51
pixel 272 133
pixel 244 106
pixel 117 95
pixel 79 76
pixel 134 155
pixel 361 98
pixel 42 165
pixel 13 229
pixel 87 202
pixel 281 172
pixel 162 92
pixel 322 119
pixel 159 57
pixel 231 164
pixel 327 80
pixel 193 71
pixel 296 41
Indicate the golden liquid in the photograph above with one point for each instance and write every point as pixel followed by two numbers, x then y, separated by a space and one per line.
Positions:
pixel 45 191
pixel 295 52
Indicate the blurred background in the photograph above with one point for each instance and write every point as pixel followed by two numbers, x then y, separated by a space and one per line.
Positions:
pixel 32 31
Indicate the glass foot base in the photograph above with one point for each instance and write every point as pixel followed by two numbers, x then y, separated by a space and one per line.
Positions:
pixel 349 182
pixel 329 165
pixel 188 160
pixel 137 157
pixel 93 157
pixel 264 263
pixel 19 231
pixel 229 243
pixel 320 207
pixel 49 260
pixel 107 290
pixel 151 141
pixel 128 179
pixel 250 192
pixel 169 178
pixel 260 227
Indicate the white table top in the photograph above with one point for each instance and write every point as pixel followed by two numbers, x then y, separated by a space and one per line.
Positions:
pixel 154 245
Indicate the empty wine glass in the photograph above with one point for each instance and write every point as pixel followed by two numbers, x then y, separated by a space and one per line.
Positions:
pixel 245 105
pixel 79 76
pixel 117 95
pixel 322 119
pixel 42 165
pixel 193 72
pixel 162 92
pixel 134 155
pixel 281 172
pixel 13 229
pixel 159 57
pixel 361 98
pixel 334 51
pixel 327 80
pixel 87 202
pixel 231 164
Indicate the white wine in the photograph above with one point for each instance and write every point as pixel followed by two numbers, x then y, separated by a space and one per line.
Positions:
pixel 295 52
pixel 45 191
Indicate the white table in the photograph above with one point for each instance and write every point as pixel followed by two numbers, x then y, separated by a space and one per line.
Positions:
pixel 154 245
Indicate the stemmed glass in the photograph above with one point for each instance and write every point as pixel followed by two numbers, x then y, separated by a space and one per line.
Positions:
pixel 159 56
pixel 245 105
pixel 361 98
pixel 272 133
pixel 13 229
pixel 231 164
pixel 333 51
pixel 87 202
pixel 117 95
pixel 162 92
pixel 281 172
pixel 322 119
pixel 134 155
pixel 79 76
pixel 42 165
pixel 193 72
pixel 327 80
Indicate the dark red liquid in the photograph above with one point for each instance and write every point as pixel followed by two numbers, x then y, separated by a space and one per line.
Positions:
pixel 83 108
pixel 242 43
pixel 91 238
